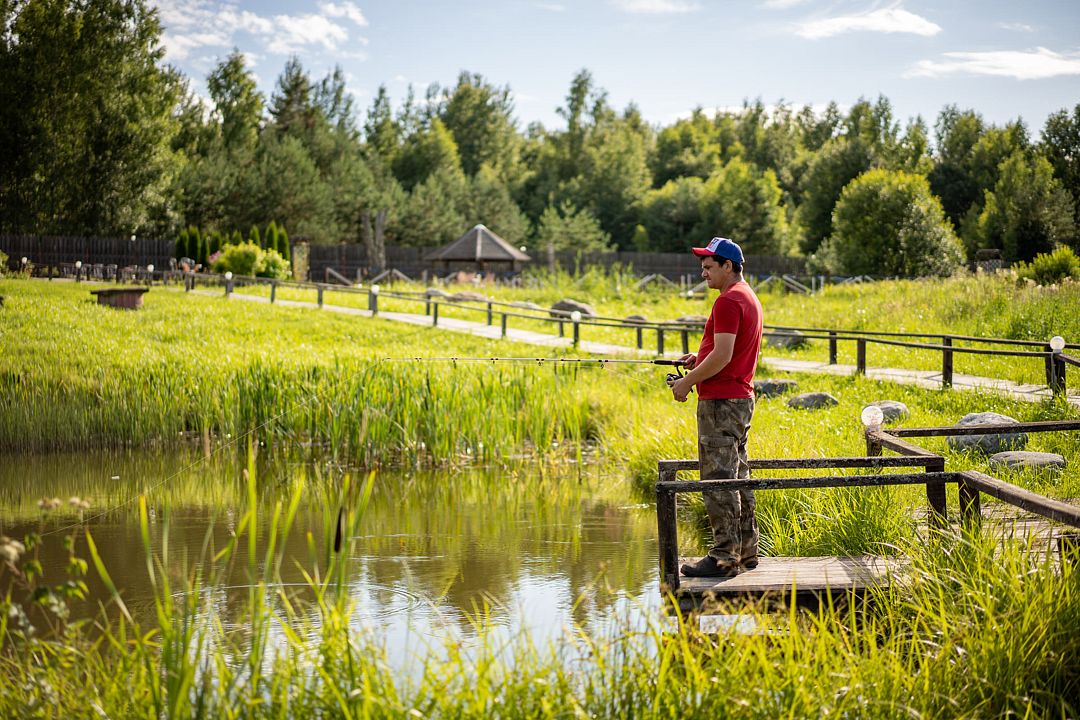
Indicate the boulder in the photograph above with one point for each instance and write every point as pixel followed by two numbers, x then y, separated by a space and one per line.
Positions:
pixel 436 293
pixel 988 444
pixel 1019 459
pixel 636 319
pixel 893 410
pixel 789 340
pixel 772 388
pixel 526 305
pixel 813 401
pixel 468 296
pixel 564 307
pixel 691 320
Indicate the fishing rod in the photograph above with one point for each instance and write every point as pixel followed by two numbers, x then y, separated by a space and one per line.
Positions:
pixel 677 364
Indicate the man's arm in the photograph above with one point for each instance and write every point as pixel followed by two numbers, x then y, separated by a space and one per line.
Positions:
pixel 714 362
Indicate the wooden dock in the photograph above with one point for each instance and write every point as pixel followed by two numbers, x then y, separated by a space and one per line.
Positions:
pixel 777 578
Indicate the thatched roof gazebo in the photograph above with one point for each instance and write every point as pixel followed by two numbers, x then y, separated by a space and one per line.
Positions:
pixel 479 250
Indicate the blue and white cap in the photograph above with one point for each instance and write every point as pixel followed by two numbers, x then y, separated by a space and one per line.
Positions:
pixel 722 248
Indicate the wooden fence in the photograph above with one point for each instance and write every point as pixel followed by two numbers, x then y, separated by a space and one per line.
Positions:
pixel 55 250
pixel 351 261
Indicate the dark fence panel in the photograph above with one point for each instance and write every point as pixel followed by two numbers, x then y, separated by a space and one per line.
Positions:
pixel 351 261
pixel 51 250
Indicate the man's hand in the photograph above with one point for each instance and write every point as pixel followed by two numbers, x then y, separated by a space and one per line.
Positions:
pixel 689 360
pixel 681 388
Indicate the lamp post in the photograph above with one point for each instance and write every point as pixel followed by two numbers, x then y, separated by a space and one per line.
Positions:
pixel 575 317
pixel 228 282
pixel 373 299
pixel 78 270
pixel 871 417
pixel 150 274
pixel 1057 365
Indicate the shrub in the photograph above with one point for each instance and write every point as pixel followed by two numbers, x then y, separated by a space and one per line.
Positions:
pixel 889 223
pixel 1050 268
pixel 251 260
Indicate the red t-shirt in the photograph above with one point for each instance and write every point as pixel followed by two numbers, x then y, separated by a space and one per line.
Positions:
pixel 736 311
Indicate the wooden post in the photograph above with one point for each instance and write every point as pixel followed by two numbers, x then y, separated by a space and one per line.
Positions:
pixel 667 540
pixel 427 305
pixel 490 320
pixel 434 314
pixel 504 324
pixel 577 332
pixel 660 341
pixel 685 341
pixel 970 504
pixel 319 291
pixel 935 494
pixel 562 332
pixel 1048 361
pixel 640 338
pixel 832 347
pixel 860 356
pixel 946 362
pixel 1062 388
pixel 273 291
pixel 873 446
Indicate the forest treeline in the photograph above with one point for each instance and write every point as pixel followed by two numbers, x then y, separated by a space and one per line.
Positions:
pixel 101 137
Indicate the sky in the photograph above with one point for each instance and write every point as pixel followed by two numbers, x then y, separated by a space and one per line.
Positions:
pixel 1003 59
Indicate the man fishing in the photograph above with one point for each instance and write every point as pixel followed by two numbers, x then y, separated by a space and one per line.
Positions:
pixel 723 371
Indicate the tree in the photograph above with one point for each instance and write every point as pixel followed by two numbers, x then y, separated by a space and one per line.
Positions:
pixel 741 202
pixel 292 106
pixel 381 134
pixel 1027 212
pixel 255 237
pixel 671 216
pixel 838 162
pixel 889 223
pixel 1061 147
pixel 433 215
pixel 689 148
pixel 480 118
pixel 566 228
pixel 425 153
pixel 489 202
pixel 238 104
pixel 85 96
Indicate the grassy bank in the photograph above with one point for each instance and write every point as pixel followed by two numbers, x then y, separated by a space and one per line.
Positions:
pixel 78 375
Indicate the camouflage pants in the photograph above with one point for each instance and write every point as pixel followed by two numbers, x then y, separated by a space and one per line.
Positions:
pixel 723 427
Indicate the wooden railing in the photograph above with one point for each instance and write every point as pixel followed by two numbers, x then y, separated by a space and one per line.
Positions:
pixel 1055 362
pixel 934 476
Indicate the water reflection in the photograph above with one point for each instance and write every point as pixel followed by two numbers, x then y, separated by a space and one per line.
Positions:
pixel 530 552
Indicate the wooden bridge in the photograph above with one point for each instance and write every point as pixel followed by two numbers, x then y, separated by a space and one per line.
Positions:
pixel 809 579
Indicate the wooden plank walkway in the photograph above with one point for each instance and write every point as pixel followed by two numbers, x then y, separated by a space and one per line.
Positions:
pixel 778 577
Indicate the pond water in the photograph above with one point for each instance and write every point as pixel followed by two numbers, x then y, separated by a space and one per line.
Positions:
pixel 531 549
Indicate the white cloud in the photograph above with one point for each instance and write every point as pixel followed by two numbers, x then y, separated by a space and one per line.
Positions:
pixel 1037 64
pixel 345 10
pixel 215 24
pixel 655 7
pixel 293 32
pixel 1017 26
pixel 885 20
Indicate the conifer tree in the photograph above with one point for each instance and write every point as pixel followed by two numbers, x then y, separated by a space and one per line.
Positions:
pixel 283 244
pixel 254 237
pixel 181 244
pixel 236 238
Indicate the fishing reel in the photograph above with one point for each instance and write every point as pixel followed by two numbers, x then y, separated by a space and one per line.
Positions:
pixel 675 376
